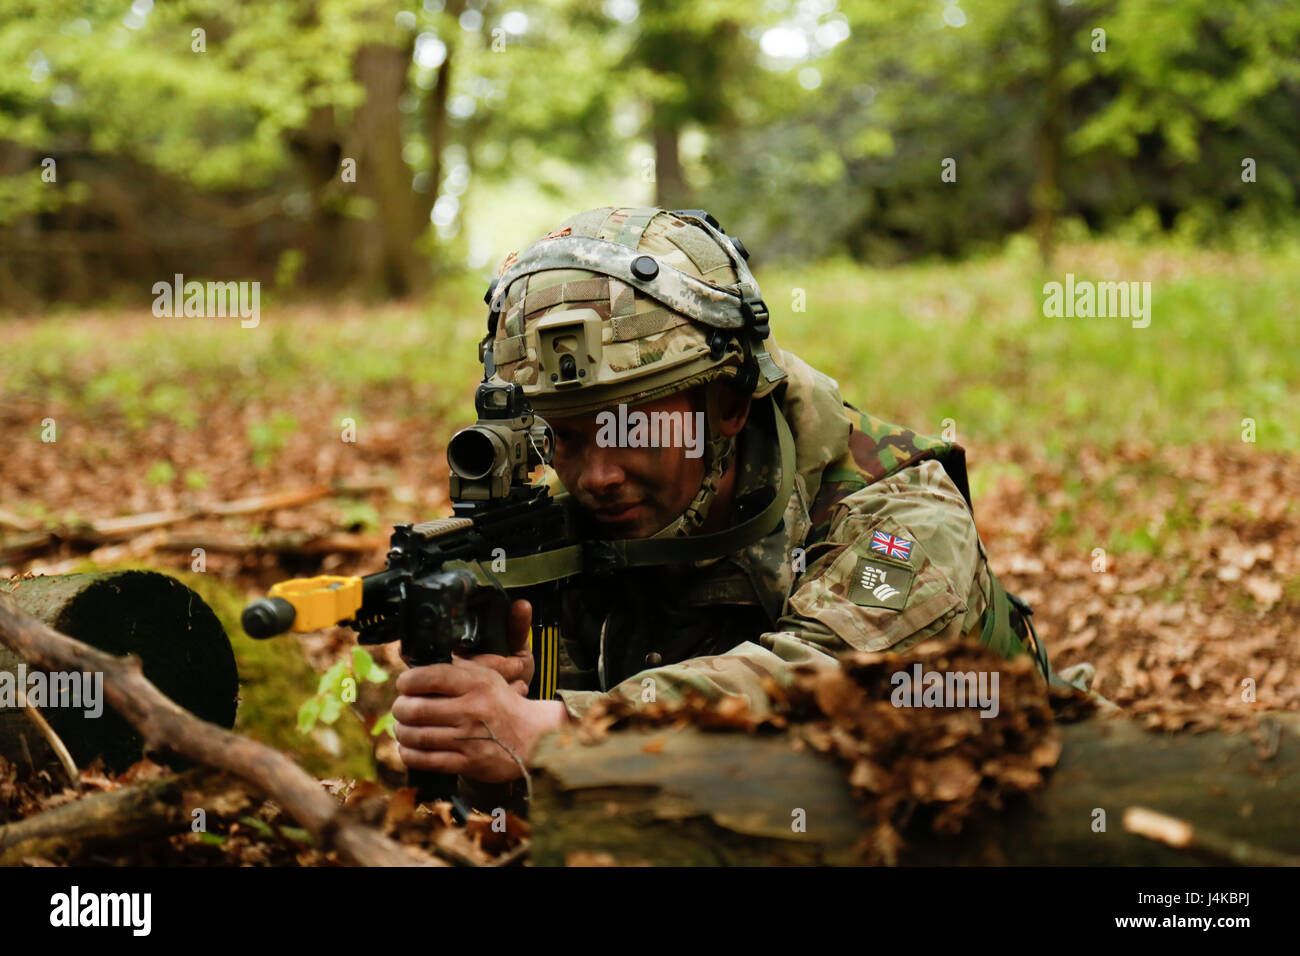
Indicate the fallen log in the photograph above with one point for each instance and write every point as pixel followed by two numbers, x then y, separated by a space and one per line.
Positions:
pixel 167 728
pixel 67 833
pixel 184 649
pixel 687 796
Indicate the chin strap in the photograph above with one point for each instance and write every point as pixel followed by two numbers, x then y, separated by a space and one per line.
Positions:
pixel 720 452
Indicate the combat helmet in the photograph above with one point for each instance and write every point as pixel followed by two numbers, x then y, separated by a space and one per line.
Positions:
pixel 627 305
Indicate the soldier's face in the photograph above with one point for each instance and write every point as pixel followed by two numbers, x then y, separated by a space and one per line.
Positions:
pixel 632 491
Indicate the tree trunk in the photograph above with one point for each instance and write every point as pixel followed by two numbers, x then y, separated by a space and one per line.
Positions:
pixel 387 252
pixel 181 644
pixel 671 189
pixel 694 797
pixel 1051 135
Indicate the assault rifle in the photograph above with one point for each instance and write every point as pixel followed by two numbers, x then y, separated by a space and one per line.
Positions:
pixel 449 584
pixel 439 592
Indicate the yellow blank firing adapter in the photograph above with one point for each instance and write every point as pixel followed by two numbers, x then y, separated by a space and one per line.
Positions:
pixel 304 604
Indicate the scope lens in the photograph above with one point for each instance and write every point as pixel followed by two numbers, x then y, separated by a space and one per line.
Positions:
pixel 471 453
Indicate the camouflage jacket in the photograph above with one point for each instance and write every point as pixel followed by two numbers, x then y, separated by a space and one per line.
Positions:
pixel 877 549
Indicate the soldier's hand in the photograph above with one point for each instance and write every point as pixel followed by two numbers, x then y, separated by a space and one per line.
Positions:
pixel 478 726
pixel 517 669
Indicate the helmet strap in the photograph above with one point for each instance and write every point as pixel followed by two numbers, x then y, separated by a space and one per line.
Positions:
pixel 720 451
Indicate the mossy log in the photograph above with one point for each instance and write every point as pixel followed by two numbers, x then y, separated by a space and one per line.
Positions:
pixel 168 728
pixel 182 647
pixel 687 796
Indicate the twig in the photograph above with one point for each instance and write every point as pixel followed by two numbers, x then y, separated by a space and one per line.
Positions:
pixel 107 530
pixel 292 542
pixel 510 857
pixel 10 520
pixel 1181 835
pixel 55 741
pixel 528 780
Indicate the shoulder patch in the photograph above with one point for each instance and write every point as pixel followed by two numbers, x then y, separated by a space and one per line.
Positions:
pixel 891 545
pixel 880 584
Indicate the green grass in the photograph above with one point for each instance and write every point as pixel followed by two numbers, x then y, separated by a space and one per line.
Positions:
pixel 969 341
pixel 915 344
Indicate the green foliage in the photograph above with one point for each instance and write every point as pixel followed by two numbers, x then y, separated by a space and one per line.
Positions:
pixel 267 437
pixel 1161 119
pixel 160 473
pixel 811 129
pixel 136 85
pixel 359 515
pixel 337 687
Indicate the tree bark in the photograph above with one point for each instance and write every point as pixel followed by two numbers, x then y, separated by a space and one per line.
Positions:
pixel 691 797
pixel 182 645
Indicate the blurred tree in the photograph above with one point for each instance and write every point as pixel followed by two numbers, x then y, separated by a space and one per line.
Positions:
pixel 690 62
pixel 846 132
pixel 223 140
pixel 210 138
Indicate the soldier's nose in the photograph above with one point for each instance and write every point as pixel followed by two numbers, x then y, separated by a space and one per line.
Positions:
pixel 601 476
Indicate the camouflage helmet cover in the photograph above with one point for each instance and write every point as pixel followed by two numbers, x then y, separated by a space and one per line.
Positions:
pixel 626 305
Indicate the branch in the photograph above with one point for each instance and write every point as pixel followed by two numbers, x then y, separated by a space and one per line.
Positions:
pixel 56 742
pixel 1181 835
pixel 133 812
pixel 167 727
pixel 106 530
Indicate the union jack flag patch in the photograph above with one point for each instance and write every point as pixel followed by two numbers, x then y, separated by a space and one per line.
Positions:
pixel 891 546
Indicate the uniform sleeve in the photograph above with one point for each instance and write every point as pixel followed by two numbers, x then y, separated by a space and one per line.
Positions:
pixel 902 563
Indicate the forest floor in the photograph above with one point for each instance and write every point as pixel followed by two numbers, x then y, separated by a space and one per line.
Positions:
pixel 1139 486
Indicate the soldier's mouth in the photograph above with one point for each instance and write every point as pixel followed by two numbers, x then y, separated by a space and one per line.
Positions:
pixel 620 514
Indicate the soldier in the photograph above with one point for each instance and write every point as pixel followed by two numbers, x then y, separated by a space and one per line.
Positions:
pixel 844 532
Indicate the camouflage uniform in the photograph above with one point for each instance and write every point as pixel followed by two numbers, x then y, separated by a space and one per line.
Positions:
pixel 877 547
pixel 723 627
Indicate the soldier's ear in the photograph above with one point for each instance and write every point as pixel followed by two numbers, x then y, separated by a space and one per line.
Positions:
pixel 732 406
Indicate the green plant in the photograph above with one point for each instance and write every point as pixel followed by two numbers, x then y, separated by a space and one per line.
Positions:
pixel 338 686
pixel 268 437
pixel 160 473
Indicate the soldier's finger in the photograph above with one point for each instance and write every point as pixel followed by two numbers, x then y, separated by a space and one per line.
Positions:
pixel 447 679
pixel 521 625
pixel 442 761
pixel 431 738
pixel 428 711
pixel 511 668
